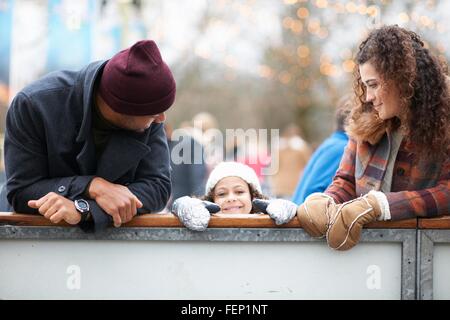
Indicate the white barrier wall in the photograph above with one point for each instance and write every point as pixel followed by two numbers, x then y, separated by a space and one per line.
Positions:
pixel 441 271
pixel 99 269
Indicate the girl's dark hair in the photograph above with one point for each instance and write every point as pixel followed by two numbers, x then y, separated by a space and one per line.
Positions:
pixel 401 59
pixel 254 194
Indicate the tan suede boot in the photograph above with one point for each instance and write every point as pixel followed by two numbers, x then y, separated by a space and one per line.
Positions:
pixel 351 216
pixel 315 214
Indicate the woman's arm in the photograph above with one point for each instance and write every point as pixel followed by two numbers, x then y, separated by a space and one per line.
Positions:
pixel 342 188
pixel 428 202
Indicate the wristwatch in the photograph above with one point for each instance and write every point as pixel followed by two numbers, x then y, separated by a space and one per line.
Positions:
pixel 83 208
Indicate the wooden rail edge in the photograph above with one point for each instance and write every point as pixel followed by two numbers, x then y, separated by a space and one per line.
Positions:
pixel 218 220
pixel 434 223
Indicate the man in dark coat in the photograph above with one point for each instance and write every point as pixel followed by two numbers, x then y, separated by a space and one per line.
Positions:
pixel 89 147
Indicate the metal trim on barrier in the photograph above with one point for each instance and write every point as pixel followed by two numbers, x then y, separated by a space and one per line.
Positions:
pixel 425 259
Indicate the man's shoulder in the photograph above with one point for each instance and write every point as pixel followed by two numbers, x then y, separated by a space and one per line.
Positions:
pixel 54 81
pixel 60 80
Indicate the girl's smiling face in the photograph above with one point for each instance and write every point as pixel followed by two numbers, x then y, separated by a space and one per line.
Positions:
pixel 232 194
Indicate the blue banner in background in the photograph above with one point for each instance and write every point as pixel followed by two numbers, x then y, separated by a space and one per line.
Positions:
pixel 5 39
pixel 118 26
pixel 69 34
pixel 115 36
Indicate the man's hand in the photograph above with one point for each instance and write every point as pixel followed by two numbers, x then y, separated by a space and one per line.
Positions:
pixel 115 199
pixel 56 208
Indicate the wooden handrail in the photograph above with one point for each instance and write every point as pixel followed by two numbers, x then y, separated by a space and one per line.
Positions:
pixel 218 220
pixel 435 223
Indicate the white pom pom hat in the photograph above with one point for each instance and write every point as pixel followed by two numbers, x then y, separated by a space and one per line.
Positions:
pixel 232 169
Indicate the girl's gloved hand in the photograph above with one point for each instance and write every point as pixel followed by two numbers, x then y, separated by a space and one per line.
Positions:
pixel 280 210
pixel 194 213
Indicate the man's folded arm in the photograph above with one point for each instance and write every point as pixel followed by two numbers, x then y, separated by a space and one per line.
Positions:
pixel 152 183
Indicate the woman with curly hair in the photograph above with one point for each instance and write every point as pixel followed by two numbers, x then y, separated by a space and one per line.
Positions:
pixel 396 165
pixel 232 187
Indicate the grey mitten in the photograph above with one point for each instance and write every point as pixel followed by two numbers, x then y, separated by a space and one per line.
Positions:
pixel 193 213
pixel 280 210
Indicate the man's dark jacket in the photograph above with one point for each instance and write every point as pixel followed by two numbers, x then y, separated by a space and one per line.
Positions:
pixel 49 147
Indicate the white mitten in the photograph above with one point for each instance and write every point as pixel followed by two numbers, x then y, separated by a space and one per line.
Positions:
pixel 192 212
pixel 280 210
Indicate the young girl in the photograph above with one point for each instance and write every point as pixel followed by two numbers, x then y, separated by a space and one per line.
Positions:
pixel 398 153
pixel 232 187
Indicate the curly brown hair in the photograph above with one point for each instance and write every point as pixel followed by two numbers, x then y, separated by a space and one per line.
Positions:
pixel 254 194
pixel 401 59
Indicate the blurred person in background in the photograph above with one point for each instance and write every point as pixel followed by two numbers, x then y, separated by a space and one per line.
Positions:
pixel 189 170
pixel 205 127
pixel 322 166
pixel 293 155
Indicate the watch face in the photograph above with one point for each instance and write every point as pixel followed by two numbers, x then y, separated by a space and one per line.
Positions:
pixel 82 205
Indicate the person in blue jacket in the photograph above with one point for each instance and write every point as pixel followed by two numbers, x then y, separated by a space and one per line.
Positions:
pixel 322 166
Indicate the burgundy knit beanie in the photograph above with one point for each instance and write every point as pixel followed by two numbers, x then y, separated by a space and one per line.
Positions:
pixel 137 82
